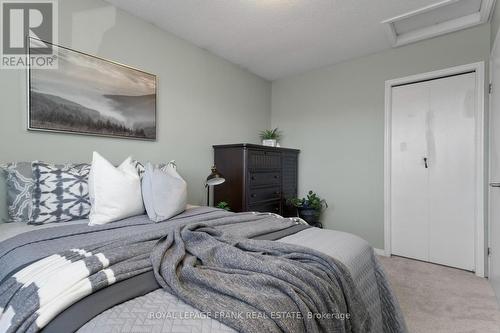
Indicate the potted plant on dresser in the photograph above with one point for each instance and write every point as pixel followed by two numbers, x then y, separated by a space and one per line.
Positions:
pixel 270 137
pixel 310 208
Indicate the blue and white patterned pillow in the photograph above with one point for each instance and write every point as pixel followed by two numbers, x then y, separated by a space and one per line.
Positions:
pixel 19 183
pixel 60 193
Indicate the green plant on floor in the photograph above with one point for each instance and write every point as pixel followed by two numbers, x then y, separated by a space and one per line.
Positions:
pixel 223 205
pixel 309 208
pixel 270 134
pixel 311 201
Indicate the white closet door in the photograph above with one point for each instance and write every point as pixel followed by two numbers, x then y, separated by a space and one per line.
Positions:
pixel 409 202
pixel 433 207
pixel 451 145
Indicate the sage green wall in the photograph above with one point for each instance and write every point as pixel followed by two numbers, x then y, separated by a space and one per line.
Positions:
pixel 202 99
pixel 335 115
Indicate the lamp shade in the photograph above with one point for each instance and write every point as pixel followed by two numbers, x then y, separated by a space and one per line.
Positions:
pixel 214 178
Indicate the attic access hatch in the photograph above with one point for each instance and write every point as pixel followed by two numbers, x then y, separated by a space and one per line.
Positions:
pixel 437 19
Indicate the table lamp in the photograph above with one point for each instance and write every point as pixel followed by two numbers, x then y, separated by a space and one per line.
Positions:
pixel 213 179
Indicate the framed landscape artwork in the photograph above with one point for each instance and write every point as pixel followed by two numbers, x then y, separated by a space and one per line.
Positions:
pixel 89 95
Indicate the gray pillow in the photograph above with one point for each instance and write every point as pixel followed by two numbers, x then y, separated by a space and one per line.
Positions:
pixel 164 192
pixel 19 186
pixel 60 193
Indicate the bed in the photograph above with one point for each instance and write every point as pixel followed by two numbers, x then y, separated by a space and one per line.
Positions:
pixel 122 276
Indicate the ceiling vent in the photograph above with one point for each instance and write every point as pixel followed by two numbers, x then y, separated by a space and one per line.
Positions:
pixel 437 19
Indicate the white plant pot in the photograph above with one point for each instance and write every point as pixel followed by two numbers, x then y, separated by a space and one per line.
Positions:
pixel 269 143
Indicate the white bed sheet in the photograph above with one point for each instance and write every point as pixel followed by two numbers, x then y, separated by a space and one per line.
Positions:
pixel 8 230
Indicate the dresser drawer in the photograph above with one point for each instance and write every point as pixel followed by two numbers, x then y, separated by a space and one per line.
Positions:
pixel 263 160
pixel 264 178
pixel 264 194
pixel 268 207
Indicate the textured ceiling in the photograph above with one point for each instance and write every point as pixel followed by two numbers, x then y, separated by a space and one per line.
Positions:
pixel 277 38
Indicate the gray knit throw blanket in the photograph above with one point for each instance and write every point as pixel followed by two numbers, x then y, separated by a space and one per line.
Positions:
pixel 258 286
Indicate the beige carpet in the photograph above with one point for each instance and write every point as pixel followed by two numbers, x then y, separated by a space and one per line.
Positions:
pixel 440 299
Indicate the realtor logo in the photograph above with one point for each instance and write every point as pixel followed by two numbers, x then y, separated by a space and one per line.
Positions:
pixel 36 19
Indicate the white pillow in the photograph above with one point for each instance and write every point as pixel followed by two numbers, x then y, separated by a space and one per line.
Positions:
pixel 164 192
pixel 115 193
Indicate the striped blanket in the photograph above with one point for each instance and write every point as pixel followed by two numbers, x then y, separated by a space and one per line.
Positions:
pixel 71 263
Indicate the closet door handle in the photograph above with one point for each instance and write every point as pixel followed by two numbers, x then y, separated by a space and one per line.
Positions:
pixel 495 184
pixel 425 163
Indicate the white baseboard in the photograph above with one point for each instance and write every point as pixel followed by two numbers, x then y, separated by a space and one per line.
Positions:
pixel 380 252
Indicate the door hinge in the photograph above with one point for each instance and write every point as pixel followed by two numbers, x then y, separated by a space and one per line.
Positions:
pixel 489 251
pixel 490 88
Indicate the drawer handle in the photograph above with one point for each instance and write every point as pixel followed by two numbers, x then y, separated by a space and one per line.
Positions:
pixel 276 177
pixel 253 177
pixel 277 209
pixel 253 195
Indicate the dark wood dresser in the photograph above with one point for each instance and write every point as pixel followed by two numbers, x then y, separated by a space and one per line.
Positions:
pixel 258 178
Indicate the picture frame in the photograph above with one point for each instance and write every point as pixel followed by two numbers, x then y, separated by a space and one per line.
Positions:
pixel 90 95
